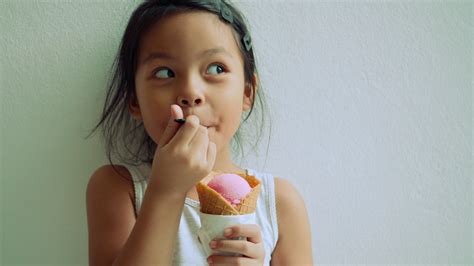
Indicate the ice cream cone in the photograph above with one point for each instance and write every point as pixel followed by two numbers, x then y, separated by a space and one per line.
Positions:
pixel 213 203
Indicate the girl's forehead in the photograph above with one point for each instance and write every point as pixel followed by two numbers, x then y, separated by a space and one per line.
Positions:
pixel 187 33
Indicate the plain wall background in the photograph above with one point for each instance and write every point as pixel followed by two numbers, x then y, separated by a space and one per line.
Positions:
pixel 372 122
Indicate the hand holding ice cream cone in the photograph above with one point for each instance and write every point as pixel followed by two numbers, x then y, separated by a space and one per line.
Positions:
pixel 250 247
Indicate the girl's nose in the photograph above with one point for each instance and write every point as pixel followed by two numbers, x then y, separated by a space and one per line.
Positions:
pixel 191 91
pixel 189 101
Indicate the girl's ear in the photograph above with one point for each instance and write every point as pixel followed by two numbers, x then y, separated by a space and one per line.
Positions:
pixel 249 91
pixel 134 108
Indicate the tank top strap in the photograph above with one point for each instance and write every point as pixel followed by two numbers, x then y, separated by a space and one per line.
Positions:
pixel 266 207
pixel 140 181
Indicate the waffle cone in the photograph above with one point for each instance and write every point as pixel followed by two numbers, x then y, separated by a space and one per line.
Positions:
pixel 213 203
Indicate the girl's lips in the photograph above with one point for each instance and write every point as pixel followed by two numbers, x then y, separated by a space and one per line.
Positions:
pixel 182 121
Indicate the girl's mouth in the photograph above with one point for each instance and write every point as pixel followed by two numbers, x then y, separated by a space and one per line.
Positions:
pixel 181 121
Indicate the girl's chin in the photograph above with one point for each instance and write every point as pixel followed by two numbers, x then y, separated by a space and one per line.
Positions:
pixel 211 131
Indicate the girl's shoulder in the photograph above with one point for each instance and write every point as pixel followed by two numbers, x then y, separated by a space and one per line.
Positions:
pixel 286 194
pixel 291 210
pixel 110 212
pixel 113 179
pixel 113 172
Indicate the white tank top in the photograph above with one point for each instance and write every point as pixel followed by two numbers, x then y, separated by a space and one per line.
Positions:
pixel 188 250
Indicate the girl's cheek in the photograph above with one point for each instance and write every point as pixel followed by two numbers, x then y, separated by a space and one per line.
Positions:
pixel 154 125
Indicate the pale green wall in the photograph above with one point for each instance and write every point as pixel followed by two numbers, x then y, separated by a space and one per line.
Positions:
pixel 55 59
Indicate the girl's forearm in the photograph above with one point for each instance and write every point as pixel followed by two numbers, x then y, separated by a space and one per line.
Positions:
pixel 153 237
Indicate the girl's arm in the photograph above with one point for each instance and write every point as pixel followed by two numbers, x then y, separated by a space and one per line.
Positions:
pixel 294 238
pixel 115 238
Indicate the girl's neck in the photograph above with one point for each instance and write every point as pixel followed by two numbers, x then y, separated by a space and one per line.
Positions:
pixel 224 162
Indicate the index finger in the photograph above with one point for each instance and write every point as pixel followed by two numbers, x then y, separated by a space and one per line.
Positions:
pixel 251 231
pixel 172 127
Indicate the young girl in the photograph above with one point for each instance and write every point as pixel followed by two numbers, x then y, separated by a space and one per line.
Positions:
pixel 190 60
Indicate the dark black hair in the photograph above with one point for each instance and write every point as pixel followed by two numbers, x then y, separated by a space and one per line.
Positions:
pixel 125 137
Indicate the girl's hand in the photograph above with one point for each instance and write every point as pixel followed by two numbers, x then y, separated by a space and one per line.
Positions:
pixel 251 249
pixel 184 155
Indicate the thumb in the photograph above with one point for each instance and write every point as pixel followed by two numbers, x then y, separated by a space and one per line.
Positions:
pixel 211 154
pixel 172 127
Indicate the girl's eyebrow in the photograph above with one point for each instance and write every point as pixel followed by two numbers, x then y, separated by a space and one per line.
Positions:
pixel 156 55
pixel 217 50
pixel 162 55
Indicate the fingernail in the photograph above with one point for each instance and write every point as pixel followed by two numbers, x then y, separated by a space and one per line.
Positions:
pixel 228 232
pixel 213 244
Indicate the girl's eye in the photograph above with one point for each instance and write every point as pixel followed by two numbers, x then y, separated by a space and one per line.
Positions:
pixel 164 73
pixel 215 69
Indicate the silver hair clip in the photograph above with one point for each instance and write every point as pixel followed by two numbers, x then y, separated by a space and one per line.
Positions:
pixel 247 42
pixel 226 14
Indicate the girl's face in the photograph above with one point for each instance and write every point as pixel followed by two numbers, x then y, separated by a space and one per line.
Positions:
pixel 191 59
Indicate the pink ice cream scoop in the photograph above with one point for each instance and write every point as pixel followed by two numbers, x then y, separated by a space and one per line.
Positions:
pixel 232 187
